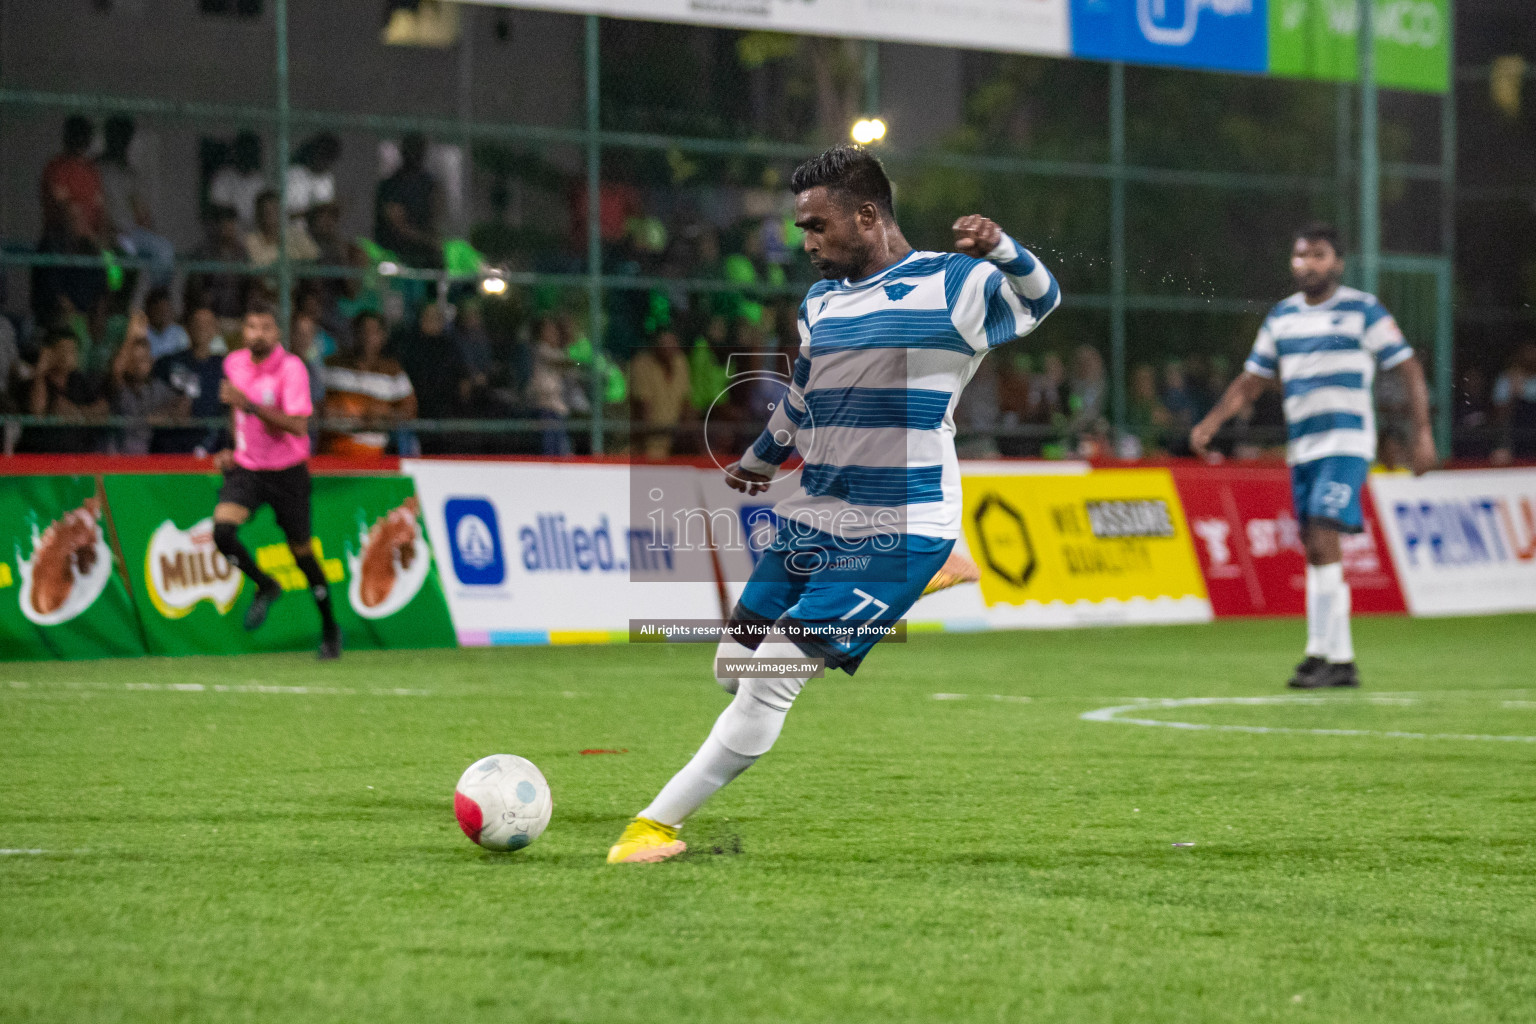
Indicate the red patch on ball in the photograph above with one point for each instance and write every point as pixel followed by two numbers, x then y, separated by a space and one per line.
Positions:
pixel 468 813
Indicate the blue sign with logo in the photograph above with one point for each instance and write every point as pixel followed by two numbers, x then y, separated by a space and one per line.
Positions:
pixel 1228 35
pixel 474 538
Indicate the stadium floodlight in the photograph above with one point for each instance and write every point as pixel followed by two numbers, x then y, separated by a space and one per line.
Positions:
pixel 867 129
pixel 494 282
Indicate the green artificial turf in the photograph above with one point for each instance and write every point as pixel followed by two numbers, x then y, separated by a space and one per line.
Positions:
pixel 290 857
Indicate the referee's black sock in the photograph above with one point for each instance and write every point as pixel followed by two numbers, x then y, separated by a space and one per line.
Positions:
pixel 319 589
pixel 227 539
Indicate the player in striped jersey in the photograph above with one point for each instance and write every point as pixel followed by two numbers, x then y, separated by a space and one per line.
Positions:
pixel 1325 344
pixel 889 338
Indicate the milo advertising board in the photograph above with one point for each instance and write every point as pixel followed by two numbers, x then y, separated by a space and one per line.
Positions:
pixel 62 593
pixel 367 537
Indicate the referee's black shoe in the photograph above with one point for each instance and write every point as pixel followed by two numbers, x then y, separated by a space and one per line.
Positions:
pixel 256 614
pixel 1330 676
pixel 330 645
pixel 1307 672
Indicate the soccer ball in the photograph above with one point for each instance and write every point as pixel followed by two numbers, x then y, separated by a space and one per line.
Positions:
pixel 502 802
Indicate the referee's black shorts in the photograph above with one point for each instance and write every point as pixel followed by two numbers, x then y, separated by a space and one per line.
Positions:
pixel 286 490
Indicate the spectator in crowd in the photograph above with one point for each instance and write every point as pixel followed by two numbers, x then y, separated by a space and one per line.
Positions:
pixel 311 176
pixel 238 183
pixel 73 205
pixel 707 375
pixel 659 387
pixel 548 385
pixel 436 372
pixel 60 389
pixel 406 208
pixel 303 341
pixel 1086 399
pixel 1514 404
pixel 74 223
pixel 370 387
pixel 98 333
pixel 978 412
pixel 126 204
pixel 1148 421
pixel 10 363
pixel 475 352
pixel 223 293
pixel 165 335
pixel 1472 433
pixel 310 303
pixel 324 222
pixel 195 373
pixel 262 245
pixel 1177 398
pixel 359 293
pixel 1014 381
pixel 1047 392
pixel 138 395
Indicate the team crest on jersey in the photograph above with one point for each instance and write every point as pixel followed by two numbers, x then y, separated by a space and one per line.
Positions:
pixel 898 291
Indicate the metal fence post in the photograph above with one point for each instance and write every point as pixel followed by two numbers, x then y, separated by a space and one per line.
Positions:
pixel 594 228
pixel 1445 334
pixel 284 264
pixel 1117 268
pixel 1370 155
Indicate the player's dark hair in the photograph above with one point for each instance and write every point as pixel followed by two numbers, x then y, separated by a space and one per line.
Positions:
pixel 853 172
pixel 1318 231
pixel 364 317
pixel 260 306
pixel 56 335
pixel 78 133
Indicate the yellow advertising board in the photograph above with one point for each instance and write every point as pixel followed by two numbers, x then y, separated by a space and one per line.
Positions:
pixel 1112 544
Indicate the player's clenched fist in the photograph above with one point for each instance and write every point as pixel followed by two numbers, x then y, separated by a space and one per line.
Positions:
pixel 976 235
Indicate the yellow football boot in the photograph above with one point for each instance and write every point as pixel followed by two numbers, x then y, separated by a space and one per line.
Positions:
pixel 644 842
pixel 957 570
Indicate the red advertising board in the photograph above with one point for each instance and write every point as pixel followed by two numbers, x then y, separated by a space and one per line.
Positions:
pixel 1249 544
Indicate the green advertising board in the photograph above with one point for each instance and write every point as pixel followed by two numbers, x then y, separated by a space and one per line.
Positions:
pixel 62 593
pixel 1318 39
pixel 367 536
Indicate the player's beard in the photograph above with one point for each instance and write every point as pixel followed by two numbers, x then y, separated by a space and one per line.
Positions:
pixel 853 266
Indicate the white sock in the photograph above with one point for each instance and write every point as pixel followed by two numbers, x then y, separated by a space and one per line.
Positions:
pixel 1341 647
pixel 1323 584
pixel 729 648
pixel 745 731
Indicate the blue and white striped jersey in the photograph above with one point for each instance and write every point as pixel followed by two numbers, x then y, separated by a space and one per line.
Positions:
pixel 881 365
pixel 1327 356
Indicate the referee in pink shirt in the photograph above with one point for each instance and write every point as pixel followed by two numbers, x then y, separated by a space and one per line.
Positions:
pixel 267 388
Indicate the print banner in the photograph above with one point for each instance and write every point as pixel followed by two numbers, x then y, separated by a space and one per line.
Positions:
pixel 62 593
pixel 1249 542
pixel 1464 542
pixel 1106 547
pixel 367 537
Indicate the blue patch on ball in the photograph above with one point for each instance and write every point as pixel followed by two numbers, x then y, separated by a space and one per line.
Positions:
pixel 526 792
pixel 517 840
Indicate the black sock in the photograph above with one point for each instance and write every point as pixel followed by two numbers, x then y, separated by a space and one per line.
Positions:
pixel 227 540
pixel 319 589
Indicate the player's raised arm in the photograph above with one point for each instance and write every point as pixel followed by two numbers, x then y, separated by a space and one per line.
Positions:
pixel 1032 292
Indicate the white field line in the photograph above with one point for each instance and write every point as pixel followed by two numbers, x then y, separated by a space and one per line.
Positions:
pixel 333 691
pixel 1006 697
pixel 36 853
pixel 1113 714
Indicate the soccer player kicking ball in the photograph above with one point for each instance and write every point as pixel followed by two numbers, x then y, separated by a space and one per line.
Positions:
pixel 888 341
pixel 267 388
pixel 1326 343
